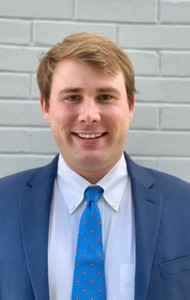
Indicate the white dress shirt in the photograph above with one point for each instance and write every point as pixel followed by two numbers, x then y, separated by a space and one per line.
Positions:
pixel 116 210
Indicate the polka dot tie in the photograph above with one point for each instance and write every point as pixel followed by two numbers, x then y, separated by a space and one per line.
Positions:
pixel 89 273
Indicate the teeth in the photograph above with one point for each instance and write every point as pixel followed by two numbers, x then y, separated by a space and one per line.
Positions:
pixel 89 135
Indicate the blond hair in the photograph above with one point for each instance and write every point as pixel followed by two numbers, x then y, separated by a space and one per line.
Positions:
pixel 96 51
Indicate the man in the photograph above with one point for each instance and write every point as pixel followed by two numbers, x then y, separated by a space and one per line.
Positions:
pixel 87 97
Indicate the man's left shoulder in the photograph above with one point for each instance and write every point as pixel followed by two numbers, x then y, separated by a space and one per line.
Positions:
pixel 170 185
pixel 169 179
pixel 154 179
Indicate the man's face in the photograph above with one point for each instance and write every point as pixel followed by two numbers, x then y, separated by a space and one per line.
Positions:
pixel 89 116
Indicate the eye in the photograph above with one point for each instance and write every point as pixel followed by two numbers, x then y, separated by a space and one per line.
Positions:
pixel 105 97
pixel 73 98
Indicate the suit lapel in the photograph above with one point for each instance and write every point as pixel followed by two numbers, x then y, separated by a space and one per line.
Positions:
pixel 147 206
pixel 35 204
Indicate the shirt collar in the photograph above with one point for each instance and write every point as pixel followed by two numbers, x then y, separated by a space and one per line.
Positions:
pixel 114 183
pixel 72 185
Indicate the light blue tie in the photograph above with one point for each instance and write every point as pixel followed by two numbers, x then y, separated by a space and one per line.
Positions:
pixel 89 273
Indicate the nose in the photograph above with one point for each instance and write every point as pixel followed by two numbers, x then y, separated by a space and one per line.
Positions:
pixel 89 112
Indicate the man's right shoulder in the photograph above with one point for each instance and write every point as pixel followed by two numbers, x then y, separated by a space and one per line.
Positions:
pixel 15 181
pixel 19 181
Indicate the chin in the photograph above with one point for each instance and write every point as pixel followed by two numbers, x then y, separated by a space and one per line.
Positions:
pixel 90 161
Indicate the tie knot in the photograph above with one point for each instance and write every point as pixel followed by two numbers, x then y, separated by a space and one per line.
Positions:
pixel 93 193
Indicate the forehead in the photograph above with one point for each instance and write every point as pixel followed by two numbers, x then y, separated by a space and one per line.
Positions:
pixel 77 71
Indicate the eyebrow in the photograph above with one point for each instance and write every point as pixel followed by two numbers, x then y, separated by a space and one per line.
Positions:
pixel 104 89
pixel 107 89
pixel 70 90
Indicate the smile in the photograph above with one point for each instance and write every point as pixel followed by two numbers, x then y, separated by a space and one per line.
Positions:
pixel 89 135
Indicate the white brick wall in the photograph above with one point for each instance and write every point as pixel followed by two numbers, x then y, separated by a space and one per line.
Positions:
pixel 156 36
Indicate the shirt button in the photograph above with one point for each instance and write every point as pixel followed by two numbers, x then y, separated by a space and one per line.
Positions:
pixel 72 206
pixel 114 205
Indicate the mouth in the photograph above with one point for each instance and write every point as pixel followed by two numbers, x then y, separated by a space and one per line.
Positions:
pixel 89 135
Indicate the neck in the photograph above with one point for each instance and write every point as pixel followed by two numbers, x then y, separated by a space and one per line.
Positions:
pixel 93 176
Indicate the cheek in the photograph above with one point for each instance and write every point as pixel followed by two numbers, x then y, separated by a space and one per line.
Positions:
pixel 121 117
pixel 60 116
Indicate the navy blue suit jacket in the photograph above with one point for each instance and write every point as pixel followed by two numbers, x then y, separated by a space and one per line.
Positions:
pixel 162 223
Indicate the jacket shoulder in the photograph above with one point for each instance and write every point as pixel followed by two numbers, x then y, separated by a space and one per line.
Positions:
pixel 169 182
pixel 157 180
pixel 17 181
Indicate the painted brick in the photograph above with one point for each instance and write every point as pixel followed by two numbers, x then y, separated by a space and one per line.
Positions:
pixel 15 86
pixel 175 117
pixel 175 11
pixel 50 33
pixel 154 37
pixel 120 10
pixel 10 164
pixel 14 140
pixel 178 167
pixel 163 89
pixel 35 89
pixel 19 59
pixel 14 32
pixel 158 143
pixel 20 114
pixel 176 64
pixel 145 117
pixel 41 141
pixel 144 62
pixel 37 8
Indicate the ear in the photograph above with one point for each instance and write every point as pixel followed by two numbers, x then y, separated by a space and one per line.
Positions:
pixel 132 108
pixel 45 109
